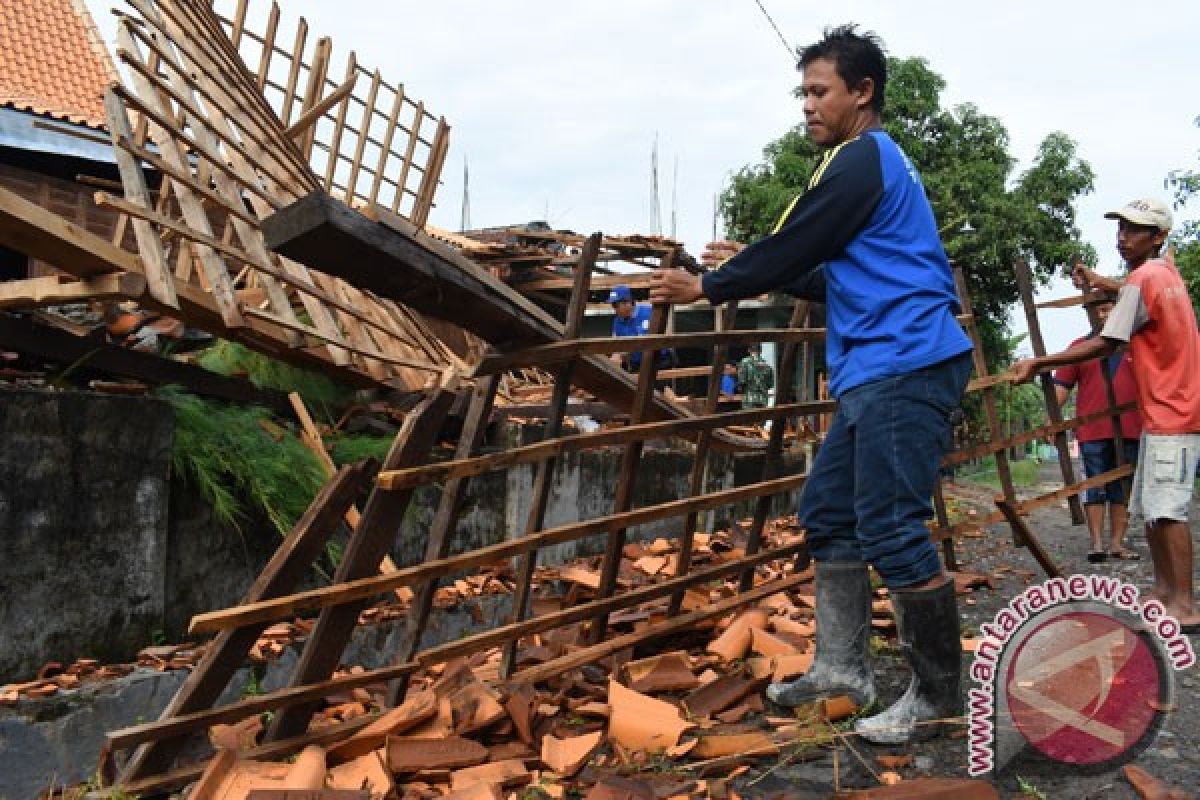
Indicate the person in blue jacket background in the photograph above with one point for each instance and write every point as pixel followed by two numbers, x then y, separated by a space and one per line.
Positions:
pixel 631 319
pixel 862 239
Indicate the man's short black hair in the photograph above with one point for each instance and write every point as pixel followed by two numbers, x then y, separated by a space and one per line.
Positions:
pixel 855 55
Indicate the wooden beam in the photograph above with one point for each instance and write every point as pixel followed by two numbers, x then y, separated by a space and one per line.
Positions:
pixel 532 453
pixel 536 518
pixel 698 481
pixel 1022 531
pixel 24 335
pixel 542 355
pixel 1049 395
pixel 180 777
pixel 53 290
pixel 227 652
pixel 364 588
pixel 1033 434
pixel 299 129
pixel 590 655
pixel 773 460
pixel 370 543
pixel 442 529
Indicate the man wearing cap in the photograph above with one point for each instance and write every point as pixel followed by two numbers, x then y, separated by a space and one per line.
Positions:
pixel 629 319
pixel 1154 316
pixel 1096 443
pixel 863 240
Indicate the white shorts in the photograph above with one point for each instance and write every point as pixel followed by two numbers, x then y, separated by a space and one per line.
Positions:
pixel 1165 477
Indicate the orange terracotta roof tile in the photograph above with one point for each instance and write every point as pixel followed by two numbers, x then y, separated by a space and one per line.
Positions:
pixel 52 60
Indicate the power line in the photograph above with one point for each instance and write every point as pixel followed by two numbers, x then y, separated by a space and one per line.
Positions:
pixel 790 50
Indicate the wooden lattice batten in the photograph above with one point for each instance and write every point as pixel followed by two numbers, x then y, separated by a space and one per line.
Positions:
pixel 369 142
pixel 196 113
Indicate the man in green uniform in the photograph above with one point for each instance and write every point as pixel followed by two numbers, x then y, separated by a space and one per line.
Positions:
pixel 756 378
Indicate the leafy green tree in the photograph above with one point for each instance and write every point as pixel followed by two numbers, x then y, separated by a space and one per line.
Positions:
pixel 964 160
pixel 1185 183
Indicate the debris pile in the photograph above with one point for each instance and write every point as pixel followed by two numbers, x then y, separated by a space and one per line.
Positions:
pixel 682 718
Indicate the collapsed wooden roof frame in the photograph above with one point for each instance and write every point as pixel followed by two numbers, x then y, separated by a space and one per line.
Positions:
pixel 195 113
pixel 407 468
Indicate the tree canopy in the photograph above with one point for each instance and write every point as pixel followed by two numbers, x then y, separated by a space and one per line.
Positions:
pixel 1185 183
pixel 964 159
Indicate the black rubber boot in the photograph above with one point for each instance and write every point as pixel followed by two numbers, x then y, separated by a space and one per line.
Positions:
pixel 927 625
pixel 842 663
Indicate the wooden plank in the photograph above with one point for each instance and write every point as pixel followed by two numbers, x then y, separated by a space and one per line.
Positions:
pixel 682 622
pixel 1053 411
pixel 688 372
pixel 543 355
pixel 206 130
pixel 55 290
pixel 483 640
pixel 363 588
pixel 289 94
pixel 364 134
pixel 989 398
pixel 385 149
pixel 441 530
pixel 227 652
pixel 532 453
pixel 178 725
pixel 301 284
pixel 268 46
pixel 24 335
pixel 306 123
pixel 154 260
pixel 773 461
pixel 406 163
pixel 396 260
pixel 627 472
pixel 227 84
pixel 368 546
pixel 542 481
pixel 636 280
pixel 1022 531
pixel 214 269
pixel 423 203
pixel 339 125
pixel 1041 501
pixel 300 327
pixel 311 438
pixel 1033 434
pixel 177 778
pixel 698 480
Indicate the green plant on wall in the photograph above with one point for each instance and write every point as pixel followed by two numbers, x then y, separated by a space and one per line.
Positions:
pixel 239 467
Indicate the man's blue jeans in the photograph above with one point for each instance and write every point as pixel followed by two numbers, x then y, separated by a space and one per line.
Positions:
pixel 869 493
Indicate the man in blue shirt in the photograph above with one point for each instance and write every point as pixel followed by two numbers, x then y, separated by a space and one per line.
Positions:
pixel 631 319
pixel 863 240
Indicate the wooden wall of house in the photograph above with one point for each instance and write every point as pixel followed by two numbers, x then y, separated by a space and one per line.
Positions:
pixel 67 198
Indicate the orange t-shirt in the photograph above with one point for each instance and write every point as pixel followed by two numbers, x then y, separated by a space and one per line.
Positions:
pixel 1154 315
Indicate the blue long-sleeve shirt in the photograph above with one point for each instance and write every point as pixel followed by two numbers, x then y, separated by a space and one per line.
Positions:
pixel 864 233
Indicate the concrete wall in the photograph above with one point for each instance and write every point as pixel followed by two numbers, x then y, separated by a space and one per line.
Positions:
pixel 101 552
pixel 83 512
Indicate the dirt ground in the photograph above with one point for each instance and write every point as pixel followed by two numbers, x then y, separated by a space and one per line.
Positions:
pixel 1173 757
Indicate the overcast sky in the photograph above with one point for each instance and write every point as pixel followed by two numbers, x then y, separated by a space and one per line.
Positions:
pixel 556 105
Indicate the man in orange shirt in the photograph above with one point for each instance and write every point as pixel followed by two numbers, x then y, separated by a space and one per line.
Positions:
pixel 1154 316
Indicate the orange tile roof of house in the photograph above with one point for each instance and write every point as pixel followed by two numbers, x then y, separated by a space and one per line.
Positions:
pixel 52 60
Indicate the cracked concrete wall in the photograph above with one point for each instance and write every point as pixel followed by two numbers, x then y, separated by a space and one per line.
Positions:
pixel 83 507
